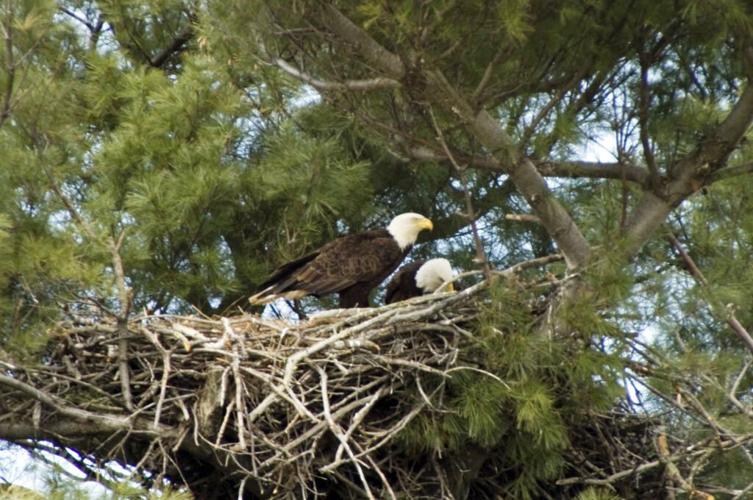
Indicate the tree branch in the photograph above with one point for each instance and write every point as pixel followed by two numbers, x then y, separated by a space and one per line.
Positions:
pixel 376 55
pixel 521 170
pixel 718 308
pixel 10 66
pixel 176 46
pixel 124 292
pixel 558 96
pixel 690 173
pixel 690 451
pixel 644 99
pixel 357 85
pixel 548 168
pixel 593 169
pixel 78 18
pixel 490 134
pixel 732 171
pixel 488 72
pixel 523 218
pixel 104 422
pixel 470 213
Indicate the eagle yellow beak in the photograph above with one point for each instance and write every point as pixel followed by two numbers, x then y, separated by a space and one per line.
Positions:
pixel 449 287
pixel 426 224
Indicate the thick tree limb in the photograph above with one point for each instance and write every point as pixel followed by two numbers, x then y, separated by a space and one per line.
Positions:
pixel 73 432
pixel 557 221
pixel 177 45
pixel 10 65
pixel 72 429
pixel 689 174
pixel 594 170
pixel 732 171
pixel 374 54
pixel 102 421
pixel 569 169
pixel 489 133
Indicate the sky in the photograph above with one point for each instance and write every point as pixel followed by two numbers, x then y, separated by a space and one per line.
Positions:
pixel 18 467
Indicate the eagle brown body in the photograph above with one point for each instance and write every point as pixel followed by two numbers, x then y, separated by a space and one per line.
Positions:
pixel 403 284
pixel 350 265
pixel 420 277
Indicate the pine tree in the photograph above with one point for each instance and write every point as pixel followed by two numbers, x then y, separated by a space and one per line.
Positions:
pixel 165 156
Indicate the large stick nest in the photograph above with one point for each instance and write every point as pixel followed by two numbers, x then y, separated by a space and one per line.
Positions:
pixel 275 402
pixel 269 407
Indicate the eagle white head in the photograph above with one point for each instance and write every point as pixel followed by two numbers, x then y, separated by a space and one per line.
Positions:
pixel 433 274
pixel 405 228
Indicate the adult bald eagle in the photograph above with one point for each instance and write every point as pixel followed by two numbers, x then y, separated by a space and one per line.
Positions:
pixel 350 265
pixel 418 278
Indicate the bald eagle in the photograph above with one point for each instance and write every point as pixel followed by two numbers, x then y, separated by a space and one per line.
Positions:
pixel 418 278
pixel 350 265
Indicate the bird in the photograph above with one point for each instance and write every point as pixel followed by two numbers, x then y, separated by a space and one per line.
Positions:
pixel 351 265
pixel 418 278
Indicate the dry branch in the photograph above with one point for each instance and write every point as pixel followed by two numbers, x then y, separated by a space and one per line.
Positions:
pixel 279 392
pixel 261 408
pixel 719 310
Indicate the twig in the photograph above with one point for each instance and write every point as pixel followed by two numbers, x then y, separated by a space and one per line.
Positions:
pixel 559 94
pixel 10 64
pixel 357 85
pixel 239 385
pixel 470 213
pixel 674 473
pixel 643 113
pixel 488 72
pixel 165 374
pixel 724 312
pixel 124 293
pixel 690 451
pixel 523 218
pixel 359 416
pixel 337 431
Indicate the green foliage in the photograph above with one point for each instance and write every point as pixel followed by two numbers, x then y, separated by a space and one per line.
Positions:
pixel 532 390
pixel 14 492
pixel 597 494
pixel 210 185
pixel 171 125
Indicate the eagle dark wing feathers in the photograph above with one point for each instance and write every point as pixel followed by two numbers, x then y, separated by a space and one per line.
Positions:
pixel 403 284
pixel 351 265
pixel 283 273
